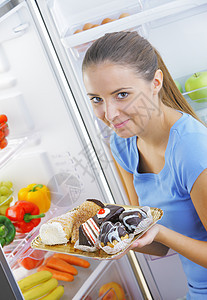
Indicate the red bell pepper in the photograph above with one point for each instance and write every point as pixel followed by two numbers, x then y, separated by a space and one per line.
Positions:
pixel 24 215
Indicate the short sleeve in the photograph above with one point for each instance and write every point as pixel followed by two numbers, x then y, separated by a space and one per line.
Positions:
pixel 190 158
pixel 122 151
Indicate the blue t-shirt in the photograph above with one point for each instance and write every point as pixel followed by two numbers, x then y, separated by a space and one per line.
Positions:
pixel 185 159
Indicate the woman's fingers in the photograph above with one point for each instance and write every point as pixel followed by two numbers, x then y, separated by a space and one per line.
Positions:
pixel 144 240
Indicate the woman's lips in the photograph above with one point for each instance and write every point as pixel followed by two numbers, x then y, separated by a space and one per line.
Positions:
pixel 120 125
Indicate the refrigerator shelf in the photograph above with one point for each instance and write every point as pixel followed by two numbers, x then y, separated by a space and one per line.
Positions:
pixel 132 21
pixel 199 105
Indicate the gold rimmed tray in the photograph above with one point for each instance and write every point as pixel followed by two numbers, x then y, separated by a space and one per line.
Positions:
pixel 99 254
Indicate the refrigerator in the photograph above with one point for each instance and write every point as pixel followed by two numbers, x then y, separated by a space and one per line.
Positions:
pixel 56 140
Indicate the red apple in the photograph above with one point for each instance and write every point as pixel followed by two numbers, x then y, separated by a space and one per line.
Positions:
pixel 197 81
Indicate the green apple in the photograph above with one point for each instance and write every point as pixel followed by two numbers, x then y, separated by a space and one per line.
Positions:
pixel 179 86
pixel 197 81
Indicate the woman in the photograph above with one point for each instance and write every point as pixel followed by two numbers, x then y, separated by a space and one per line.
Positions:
pixel 159 145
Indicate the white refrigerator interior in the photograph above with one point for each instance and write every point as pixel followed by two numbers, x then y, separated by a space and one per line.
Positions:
pixel 54 137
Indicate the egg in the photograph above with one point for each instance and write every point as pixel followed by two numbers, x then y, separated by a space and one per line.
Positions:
pixel 106 20
pixel 87 26
pixel 77 31
pixel 124 15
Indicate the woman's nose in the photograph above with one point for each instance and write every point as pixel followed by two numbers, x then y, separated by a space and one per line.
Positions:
pixel 111 111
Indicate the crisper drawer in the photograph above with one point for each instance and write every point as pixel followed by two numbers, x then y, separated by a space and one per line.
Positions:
pixel 117 271
pixel 98 277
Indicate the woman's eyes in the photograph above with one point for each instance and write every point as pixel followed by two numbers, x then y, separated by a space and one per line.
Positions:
pixel 96 99
pixel 122 95
pixel 118 96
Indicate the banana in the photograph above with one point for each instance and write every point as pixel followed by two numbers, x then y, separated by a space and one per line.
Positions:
pixel 41 289
pixel 33 279
pixel 56 294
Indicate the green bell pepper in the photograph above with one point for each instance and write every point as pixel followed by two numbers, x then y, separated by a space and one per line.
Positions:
pixel 7 231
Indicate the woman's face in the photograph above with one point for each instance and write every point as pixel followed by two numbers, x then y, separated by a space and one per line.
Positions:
pixel 121 99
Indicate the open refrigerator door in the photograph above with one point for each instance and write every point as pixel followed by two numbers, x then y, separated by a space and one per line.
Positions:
pixel 48 144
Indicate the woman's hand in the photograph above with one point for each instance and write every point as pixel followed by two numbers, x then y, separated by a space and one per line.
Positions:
pixel 146 244
pixel 147 238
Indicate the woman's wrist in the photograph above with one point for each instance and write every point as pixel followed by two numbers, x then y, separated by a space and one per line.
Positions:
pixel 160 233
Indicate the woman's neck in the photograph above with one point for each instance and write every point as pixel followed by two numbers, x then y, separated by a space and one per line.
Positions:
pixel 157 134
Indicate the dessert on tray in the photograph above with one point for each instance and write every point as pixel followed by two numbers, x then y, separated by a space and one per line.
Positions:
pixel 58 230
pixel 113 228
pixel 93 226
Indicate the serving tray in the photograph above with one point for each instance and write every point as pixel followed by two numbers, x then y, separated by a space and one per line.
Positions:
pixel 68 248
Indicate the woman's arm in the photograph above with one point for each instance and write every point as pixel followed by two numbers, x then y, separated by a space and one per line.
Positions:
pixel 192 249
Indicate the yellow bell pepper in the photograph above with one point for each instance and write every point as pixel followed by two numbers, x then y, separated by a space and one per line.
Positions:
pixel 38 194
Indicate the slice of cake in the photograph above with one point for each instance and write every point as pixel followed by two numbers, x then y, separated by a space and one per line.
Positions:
pixel 88 233
pixel 85 211
pixel 111 234
pixel 131 218
pixel 109 212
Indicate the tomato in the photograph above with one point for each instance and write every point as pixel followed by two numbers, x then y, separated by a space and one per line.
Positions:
pixel 3 126
pixel 3 143
pixel 34 260
pixel 6 131
pixel 3 119
pixel 1 135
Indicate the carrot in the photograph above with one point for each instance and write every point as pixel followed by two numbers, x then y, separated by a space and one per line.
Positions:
pixel 73 260
pixel 61 265
pixel 57 274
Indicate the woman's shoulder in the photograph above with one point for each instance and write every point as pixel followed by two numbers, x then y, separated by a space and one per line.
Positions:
pixel 188 125
pixel 188 140
pixel 188 132
pixel 188 150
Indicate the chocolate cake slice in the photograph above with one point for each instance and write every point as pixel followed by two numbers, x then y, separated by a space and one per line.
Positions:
pixel 85 211
pixel 111 234
pixel 131 218
pixel 109 212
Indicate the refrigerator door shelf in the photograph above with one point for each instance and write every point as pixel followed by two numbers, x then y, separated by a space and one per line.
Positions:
pixel 22 241
pixel 12 27
pixel 112 271
pixel 69 16
pixel 15 145
pixel 163 11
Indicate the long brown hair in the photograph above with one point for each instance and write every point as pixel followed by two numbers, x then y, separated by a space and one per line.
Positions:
pixel 129 48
